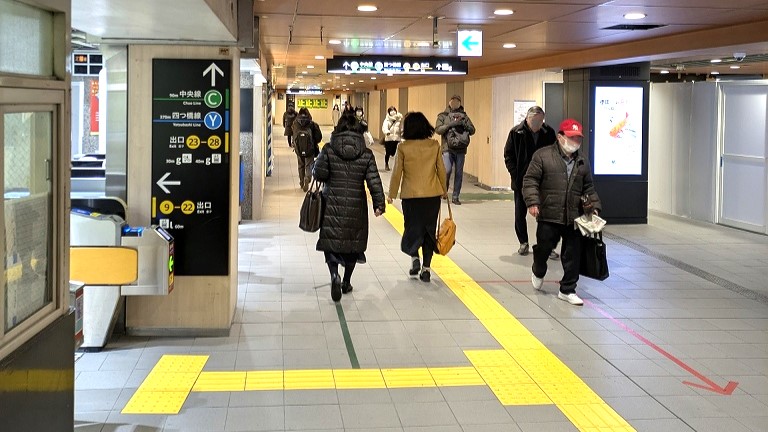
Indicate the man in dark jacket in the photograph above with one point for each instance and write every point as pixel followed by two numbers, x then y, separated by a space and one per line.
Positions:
pixel 557 178
pixel 346 166
pixel 523 140
pixel 306 152
pixel 453 123
pixel 288 118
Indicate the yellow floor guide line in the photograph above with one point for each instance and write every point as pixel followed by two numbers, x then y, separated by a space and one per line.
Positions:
pixel 525 372
pixel 554 380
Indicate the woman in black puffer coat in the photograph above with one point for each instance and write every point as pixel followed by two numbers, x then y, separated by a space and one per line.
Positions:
pixel 345 165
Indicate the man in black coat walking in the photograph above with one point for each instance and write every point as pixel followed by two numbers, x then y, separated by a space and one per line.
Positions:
pixel 523 140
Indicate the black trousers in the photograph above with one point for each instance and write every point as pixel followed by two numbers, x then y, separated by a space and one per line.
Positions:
pixel 390 148
pixel 521 227
pixel 547 236
pixel 420 222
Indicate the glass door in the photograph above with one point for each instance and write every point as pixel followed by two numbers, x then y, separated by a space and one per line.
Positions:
pixel 743 163
pixel 28 139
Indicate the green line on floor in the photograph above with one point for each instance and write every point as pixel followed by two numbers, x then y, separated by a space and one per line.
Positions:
pixel 347 337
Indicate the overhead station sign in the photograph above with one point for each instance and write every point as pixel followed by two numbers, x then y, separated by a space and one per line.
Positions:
pixel 397 65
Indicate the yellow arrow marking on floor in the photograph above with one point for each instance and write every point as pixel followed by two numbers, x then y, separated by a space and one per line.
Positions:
pixel 525 372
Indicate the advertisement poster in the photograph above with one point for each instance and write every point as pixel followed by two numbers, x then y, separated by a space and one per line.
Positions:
pixel 618 130
pixel 521 109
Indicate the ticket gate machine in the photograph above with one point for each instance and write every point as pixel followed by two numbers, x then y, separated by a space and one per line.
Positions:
pixel 115 260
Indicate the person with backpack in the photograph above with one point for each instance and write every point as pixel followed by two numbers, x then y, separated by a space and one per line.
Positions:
pixel 306 140
pixel 289 116
pixel 392 128
pixel 455 127
pixel 346 166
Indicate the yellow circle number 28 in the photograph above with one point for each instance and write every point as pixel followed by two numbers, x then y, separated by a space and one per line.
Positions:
pixel 214 142
pixel 188 207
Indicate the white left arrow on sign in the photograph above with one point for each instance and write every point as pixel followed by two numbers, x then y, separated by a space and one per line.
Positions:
pixel 213 70
pixel 163 183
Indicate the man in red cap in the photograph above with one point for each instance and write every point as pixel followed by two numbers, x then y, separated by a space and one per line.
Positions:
pixel 557 178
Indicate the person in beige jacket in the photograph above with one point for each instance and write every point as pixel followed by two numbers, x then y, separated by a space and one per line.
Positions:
pixel 419 176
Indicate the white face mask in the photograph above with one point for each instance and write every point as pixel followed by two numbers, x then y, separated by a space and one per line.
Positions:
pixel 392 113
pixel 568 146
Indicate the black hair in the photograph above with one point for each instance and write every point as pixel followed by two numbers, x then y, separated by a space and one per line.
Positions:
pixel 305 111
pixel 348 122
pixel 416 126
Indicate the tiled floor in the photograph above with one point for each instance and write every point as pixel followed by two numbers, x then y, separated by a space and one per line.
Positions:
pixel 686 302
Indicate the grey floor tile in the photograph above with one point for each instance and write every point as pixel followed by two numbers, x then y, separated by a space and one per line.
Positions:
pixel 547 427
pixel 688 407
pixel 657 425
pixel 369 416
pixel 207 400
pixel 96 400
pixel 255 419
pixel 426 394
pixel 505 427
pixel 755 424
pixel 536 414
pixel 197 419
pixel 470 393
pixel 310 397
pixel 639 407
pixel 91 380
pixel 453 428
pixel 120 422
pixel 480 412
pixel 256 398
pixel 425 414
pixel 360 397
pixel 717 425
pixel 317 417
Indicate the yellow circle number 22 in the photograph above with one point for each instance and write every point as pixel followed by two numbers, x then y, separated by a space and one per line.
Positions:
pixel 188 207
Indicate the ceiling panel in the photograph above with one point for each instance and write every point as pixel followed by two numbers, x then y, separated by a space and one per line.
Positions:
pixel 540 28
pixel 611 14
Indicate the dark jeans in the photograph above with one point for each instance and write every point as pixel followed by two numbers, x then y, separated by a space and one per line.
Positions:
pixel 521 227
pixel 454 162
pixel 547 236
pixel 305 170
pixel 390 148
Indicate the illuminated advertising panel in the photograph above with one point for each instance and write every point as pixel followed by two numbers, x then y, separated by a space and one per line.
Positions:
pixel 618 133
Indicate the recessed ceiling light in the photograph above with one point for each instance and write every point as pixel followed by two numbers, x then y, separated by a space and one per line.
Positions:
pixel 664 71
pixel 509 45
pixel 715 73
pixel 367 8
pixel 503 12
pixel 310 66
pixel 304 72
pixel 424 44
pixel 334 42
pixel 319 57
pixel 361 81
pixel 373 78
pixel 735 67
pixel 716 60
pixel 390 74
pixel 634 15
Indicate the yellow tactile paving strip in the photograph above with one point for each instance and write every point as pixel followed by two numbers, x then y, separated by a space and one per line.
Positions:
pixel 525 372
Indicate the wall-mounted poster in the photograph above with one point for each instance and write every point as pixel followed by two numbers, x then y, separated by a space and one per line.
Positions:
pixel 521 108
pixel 618 144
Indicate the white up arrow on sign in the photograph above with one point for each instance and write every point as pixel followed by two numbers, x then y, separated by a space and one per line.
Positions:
pixel 213 70
pixel 163 183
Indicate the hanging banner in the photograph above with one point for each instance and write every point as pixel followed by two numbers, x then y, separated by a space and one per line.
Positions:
pixel 94 102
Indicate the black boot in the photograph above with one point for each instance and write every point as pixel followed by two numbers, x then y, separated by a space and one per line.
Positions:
pixel 335 288
pixel 415 267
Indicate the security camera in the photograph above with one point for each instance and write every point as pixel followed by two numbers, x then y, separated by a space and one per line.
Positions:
pixel 739 56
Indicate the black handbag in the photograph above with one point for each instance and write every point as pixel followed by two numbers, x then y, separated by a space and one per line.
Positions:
pixel 311 215
pixel 594 262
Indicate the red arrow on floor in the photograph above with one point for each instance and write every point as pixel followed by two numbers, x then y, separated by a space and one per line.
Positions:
pixel 708 383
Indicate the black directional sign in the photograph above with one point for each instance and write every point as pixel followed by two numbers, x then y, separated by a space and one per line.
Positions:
pixel 191 161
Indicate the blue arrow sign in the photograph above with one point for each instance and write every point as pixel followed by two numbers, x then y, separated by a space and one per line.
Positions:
pixel 469 43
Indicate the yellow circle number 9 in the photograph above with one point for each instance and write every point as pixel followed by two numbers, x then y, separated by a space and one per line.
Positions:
pixel 166 207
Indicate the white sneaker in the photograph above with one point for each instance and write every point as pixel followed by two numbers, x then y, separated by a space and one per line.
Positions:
pixel 571 298
pixel 537 282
